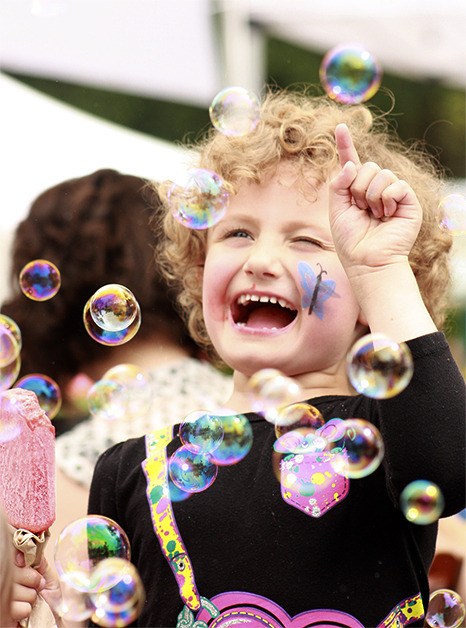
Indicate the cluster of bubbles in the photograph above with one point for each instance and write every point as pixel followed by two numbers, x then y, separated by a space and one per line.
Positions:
pixel 112 315
pixel 446 609
pixel 46 389
pixel 422 502
pixel 350 74
pixel 452 208
pixel 207 442
pixel 92 559
pixel 354 447
pixel 39 280
pixel 201 202
pixel 379 367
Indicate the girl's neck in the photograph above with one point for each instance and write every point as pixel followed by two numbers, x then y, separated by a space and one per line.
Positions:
pixel 312 385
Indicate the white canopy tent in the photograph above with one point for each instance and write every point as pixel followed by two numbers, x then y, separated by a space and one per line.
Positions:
pixel 187 50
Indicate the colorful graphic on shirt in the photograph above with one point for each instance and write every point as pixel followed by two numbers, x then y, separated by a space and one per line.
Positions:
pixel 316 289
pixel 404 613
pixel 227 610
pixel 238 608
pixel 309 483
pixel 155 468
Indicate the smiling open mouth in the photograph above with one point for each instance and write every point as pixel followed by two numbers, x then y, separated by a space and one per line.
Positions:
pixel 262 312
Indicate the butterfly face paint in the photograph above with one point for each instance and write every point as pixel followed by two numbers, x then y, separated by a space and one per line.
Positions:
pixel 316 289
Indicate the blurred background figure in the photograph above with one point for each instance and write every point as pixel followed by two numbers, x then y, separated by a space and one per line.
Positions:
pixel 97 230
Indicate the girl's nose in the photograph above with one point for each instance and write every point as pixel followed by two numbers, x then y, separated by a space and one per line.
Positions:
pixel 263 261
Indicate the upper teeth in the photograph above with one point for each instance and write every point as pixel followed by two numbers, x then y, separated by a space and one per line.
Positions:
pixel 244 298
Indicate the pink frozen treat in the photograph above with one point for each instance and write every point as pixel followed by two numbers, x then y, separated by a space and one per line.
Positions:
pixel 27 462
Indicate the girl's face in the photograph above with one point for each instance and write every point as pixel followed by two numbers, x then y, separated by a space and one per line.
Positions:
pixel 275 294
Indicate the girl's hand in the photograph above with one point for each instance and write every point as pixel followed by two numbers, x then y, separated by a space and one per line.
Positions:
pixel 374 216
pixel 28 583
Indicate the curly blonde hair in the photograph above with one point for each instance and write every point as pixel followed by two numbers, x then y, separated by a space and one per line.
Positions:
pixel 299 129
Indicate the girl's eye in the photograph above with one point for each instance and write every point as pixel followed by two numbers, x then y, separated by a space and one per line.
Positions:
pixel 310 241
pixel 237 233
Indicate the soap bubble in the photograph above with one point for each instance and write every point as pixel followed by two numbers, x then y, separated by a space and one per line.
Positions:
pixel 85 542
pixel 297 415
pixel 113 307
pixel 202 202
pixel 10 340
pixel 379 367
pixel 137 388
pixel 192 472
pixel 270 390
pixel 422 502
pixel 110 338
pixel 363 450
pixel 9 373
pixel 235 111
pixel 350 74
pixel 106 399
pixel 9 347
pixel 446 609
pixel 47 391
pixel 453 210
pixel 74 605
pixel 176 494
pixel 117 593
pixel 237 440
pixel 39 280
pixel 8 324
pixel 201 432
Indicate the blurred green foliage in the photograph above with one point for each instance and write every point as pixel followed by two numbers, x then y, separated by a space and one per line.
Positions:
pixel 422 110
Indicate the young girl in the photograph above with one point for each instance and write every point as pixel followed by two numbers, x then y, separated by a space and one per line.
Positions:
pixel 318 190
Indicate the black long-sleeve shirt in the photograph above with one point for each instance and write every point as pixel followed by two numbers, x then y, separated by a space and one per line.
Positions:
pixel 355 561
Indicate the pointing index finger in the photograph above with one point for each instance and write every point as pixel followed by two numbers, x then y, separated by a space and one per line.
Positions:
pixel 345 147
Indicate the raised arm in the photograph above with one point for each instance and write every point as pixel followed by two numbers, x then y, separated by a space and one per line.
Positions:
pixel 375 219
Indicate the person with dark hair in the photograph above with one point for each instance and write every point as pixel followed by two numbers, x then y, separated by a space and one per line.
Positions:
pixel 97 230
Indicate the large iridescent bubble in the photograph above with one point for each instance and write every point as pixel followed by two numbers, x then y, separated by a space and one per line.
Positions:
pixel 47 390
pixel 110 338
pixel 192 472
pixel 422 502
pixel 237 440
pixel 350 74
pixel 85 542
pixel 446 609
pixel 379 367
pixel 39 280
pixel 201 202
pixel 118 594
pixel 235 111
pixel 362 450
pixel 201 432
pixel 113 307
